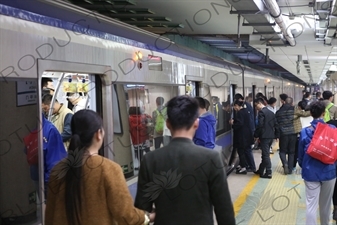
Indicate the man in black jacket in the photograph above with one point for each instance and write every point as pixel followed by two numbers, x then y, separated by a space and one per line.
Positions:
pixel 184 181
pixel 288 137
pixel 266 131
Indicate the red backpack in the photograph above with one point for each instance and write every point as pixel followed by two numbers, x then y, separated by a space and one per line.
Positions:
pixel 138 129
pixel 31 143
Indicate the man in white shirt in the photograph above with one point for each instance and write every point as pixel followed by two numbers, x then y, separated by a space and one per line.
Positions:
pixel 272 104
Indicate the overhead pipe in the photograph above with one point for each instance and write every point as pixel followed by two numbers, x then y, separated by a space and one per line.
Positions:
pixel 239 40
pixel 275 12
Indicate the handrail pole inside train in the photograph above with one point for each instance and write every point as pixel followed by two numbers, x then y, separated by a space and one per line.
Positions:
pixel 54 96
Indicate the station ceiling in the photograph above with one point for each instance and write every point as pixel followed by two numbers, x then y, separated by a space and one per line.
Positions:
pixel 252 37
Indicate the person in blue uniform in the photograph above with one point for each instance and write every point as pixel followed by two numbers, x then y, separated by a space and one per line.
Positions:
pixel 205 134
pixel 53 152
pixel 319 178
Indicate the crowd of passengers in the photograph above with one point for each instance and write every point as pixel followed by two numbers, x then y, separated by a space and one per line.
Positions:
pixel 176 185
pixel 293 126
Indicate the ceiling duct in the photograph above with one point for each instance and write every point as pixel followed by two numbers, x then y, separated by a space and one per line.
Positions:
pixel 275 12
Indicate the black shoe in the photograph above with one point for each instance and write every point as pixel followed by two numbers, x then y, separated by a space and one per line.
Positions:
pixel 268 176
pixel 257 172
pixel 286 170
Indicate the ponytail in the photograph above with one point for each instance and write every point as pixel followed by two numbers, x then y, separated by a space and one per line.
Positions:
pixel 73 180
pixel 75 143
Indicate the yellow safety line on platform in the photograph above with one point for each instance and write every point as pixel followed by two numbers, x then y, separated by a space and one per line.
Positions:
pixel 245 193
pixel 249 187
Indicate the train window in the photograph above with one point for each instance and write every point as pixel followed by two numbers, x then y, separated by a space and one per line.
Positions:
pixel 270 92
pixel 155 63
pixel 145 110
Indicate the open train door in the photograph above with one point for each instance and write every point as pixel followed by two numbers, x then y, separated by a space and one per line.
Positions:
pixel 77 86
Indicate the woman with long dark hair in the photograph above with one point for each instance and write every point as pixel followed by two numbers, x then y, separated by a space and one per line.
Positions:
pixel 243 137
pixel 86 188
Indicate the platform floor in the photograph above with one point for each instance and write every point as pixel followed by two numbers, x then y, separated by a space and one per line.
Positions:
pixel 276 201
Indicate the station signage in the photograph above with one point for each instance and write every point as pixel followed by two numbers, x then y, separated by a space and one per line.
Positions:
pixel 26 92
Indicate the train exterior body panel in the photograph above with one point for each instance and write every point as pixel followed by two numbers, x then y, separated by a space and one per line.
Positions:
pixel 34 41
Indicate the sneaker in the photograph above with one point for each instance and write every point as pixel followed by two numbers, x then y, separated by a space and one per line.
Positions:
pixel 242 171
pixel 238 168
pixel 271 151
pixel 286 170
pixel 267 176
pixel 250 170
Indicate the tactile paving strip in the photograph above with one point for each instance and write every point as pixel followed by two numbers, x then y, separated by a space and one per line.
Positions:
pixel 280 200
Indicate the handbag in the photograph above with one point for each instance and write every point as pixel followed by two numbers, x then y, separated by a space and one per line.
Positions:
pixel 31 144
pixel 323 145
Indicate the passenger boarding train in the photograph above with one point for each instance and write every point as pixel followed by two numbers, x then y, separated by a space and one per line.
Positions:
pixel 114 74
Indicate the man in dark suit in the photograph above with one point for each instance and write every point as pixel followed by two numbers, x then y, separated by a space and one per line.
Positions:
pixel 184 181
pixel 266 131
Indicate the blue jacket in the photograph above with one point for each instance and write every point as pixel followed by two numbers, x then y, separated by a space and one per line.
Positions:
pixel 313 169
pixel 205 134
pixel 53 150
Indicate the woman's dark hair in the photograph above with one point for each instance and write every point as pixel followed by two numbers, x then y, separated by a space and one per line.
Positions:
pixel 302 104
pixel 259 95
pixel 182 111
pixel 201 101
pixel 238 96
pixel 238 102
pixel 84 124
pixel 272 100
pixel 283 96
pixel 317 109
pixel 259 100
pixel 207 104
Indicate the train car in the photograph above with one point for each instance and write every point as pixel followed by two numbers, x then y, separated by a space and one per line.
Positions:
pixel 115 76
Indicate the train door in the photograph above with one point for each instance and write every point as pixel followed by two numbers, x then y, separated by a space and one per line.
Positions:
pixel 144 109
pixel 23 198
pixel 234 155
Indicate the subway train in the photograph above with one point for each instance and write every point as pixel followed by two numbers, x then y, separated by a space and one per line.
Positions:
pixel 118 77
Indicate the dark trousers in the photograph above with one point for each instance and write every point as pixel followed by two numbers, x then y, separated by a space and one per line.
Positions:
pixel 158 141
pixel 242 157
pixel 287 147
pixel 250 158
pixel 139 152
pixel 296 151
pixel 265 156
